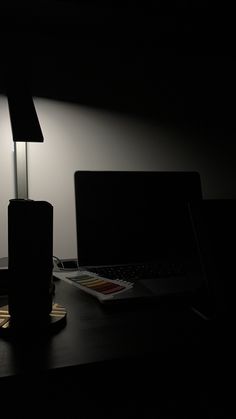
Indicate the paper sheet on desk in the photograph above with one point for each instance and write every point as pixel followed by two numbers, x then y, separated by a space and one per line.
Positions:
pixel 99 287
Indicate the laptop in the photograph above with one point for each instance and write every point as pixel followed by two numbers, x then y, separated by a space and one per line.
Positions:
pixel 136 226
pixel 215 226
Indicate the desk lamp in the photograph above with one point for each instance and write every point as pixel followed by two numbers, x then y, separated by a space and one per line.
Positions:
pixel 30 232
pixel 25 128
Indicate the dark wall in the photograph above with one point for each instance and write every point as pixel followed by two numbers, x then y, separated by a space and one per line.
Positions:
pixel 174 61
pixel 171 63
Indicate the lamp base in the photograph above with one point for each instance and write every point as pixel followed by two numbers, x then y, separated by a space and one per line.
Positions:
pixel 56 320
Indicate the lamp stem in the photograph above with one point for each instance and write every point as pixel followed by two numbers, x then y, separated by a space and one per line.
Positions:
pixel 21 170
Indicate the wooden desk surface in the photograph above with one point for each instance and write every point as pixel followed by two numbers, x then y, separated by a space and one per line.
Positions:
pixel 95 334
pixel 144 347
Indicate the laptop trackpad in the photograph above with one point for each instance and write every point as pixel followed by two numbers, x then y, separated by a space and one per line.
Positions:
pixel 163 286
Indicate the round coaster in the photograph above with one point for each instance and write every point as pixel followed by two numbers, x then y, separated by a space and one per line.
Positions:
pixel 56 319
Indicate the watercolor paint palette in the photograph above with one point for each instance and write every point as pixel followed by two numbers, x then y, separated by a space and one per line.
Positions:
pixel 97 286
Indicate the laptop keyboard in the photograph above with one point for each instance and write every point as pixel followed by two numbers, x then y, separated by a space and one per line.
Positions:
pixel 139 271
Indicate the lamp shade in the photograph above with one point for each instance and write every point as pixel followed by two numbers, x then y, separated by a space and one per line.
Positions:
pixel 24 120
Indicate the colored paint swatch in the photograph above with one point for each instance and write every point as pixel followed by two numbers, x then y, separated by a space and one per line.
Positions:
pixel 97 286
pixel 101 285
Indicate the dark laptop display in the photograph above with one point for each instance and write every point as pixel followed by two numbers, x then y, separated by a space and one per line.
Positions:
pixel 140 220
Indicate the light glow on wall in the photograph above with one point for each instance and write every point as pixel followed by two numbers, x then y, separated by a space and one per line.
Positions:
pixel 79 137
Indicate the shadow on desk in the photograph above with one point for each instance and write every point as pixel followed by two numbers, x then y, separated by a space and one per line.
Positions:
pixel 128 389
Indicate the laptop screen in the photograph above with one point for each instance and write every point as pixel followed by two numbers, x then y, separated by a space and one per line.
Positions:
pixel 131 216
